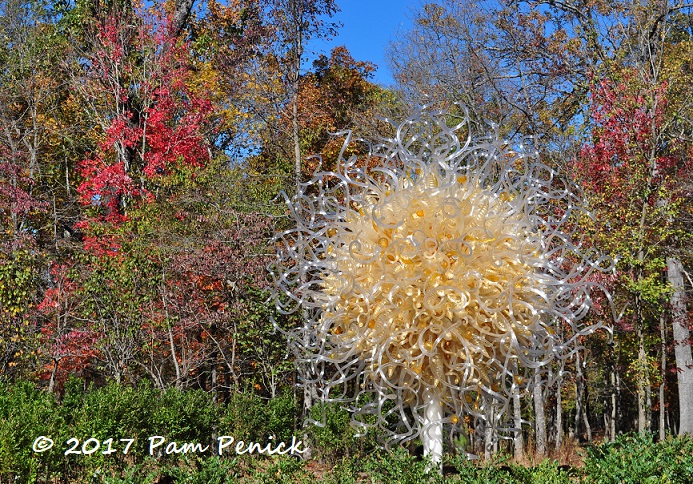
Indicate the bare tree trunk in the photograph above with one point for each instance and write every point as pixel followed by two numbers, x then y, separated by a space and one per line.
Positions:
pixel 682 345
pixel 295 136
pixel 309 389
pixel 297 52
pixel 641 376
pixel 518 441
pixel 586 421
pixel 174 358
pixel 643 379
pixel 539 417
pixel 581 388
pixel 614 402
pixel 663 374
pixel 578 394
pixel 648 403
pixel 54 372
pixel 608 397
pixel 559 409
pixel 309 397
pixel 215 388
pixel 181 14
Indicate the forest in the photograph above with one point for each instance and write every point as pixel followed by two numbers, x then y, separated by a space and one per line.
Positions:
pixel 144 148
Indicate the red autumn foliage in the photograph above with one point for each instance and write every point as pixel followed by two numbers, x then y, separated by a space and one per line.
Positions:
pixel 15 186
pixel 158 122
pixel 626 149
pixel 69 349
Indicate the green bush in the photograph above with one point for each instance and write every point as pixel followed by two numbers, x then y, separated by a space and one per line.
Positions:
pixel 637 459
pixel 117 411
pixel 120 412
pixel 25 414
pixel 494 472
pixel 280 469
pixel 250 417
pixel 335 438
pixel 345 471
pixel 112 412
pixel 147 472
pixel 398 466
pixel 547 472
pixel 188 416
pixel 205 470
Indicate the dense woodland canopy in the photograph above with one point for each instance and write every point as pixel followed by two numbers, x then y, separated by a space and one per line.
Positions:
pixel 142 148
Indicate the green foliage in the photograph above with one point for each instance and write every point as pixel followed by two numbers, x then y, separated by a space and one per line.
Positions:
pixel 206 470
pixel 383 467
pixel 116 411
pixel 650 287
pixel 499 471
pixel 260 344
pixel 400 467
pixel 25 414
pixel 345 471
pixel 112 412
pixel 475 474
pixel 250 417
pixel 637 459
pixel 334 438
pixel 17 278
pixel 18 288
pixel 184 416
pixel 547 472
pixel 134 474
pixel 286 470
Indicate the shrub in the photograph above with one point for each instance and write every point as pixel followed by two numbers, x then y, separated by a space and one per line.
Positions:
pixel 114 412
pixel 121 412
pixel 25 414
pixel 335 438
pixel 117 411
pixel 188 416
pixel 281 469
pixel 398 466
pixel 205 470
pixel 637 459
pixel 250 417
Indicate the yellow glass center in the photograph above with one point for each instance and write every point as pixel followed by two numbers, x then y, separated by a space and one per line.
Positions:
pixel 433 284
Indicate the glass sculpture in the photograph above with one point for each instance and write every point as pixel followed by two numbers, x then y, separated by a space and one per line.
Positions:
pixel 431 276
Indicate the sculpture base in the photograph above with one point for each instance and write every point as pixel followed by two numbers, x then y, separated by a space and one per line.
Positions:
pixel 432 428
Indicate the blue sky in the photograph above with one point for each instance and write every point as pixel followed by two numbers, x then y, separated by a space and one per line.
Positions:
pixel 367 28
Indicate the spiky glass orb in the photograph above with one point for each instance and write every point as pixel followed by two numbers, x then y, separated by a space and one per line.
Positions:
pixel 440 273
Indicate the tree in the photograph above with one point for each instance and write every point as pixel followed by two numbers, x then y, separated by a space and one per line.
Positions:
pixel 231 53
pixel 297 22
pixel 134 85
pixel 512 65
pixel 682 345
pixel 30 96
pixel 137 90
pixel 635 178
